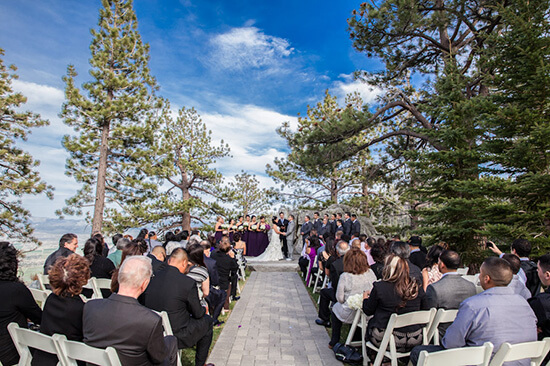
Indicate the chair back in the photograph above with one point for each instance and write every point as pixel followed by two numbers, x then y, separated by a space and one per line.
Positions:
pixel 458 356
pixel 40 296
pixel 78 351
pixel 103 283
pixel 165 322
pixel 92 285
pixel 462 271
pixel 25 338
pixel 43 280
pixel 442 316
pixel 536 351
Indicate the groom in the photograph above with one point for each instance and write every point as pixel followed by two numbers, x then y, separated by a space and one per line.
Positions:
pixel 283 224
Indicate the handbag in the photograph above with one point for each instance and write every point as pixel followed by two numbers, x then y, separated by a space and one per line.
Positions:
pixel 347 354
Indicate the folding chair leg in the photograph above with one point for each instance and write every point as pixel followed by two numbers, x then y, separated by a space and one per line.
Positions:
pixel 353 327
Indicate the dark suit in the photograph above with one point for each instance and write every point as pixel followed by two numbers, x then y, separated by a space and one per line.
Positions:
pixel 317 223
pixel 347 227
pixel 329 294
pixel 306 229
pixel 61 252
pixel 355 227
pixel 132 329
pixel 324 229
pixel 173 292
pixel 332 224
pixel 541 307
pixel 416 273
pixel 418 258
pixel 157 265
pixel 533 281
pixel 212 271
pixel 283 224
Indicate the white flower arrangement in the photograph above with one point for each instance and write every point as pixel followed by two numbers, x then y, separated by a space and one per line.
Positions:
pixel 224 226
pixel 245 224
pixel 262 227
pixel 234 227
pixel 355 301
pixel 254 227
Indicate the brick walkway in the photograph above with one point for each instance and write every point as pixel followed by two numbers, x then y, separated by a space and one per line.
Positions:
pixel 273 324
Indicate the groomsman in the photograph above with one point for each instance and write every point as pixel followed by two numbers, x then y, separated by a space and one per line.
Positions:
pixel 306 229
pixel 355 225
pixel 332 222
pixel 317 223
pixel 325 228
pixel 283 224
pixel 347 224
pixel 290 235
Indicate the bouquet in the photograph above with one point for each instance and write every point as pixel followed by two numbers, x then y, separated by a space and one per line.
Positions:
pixel 253 227
pixel 262 227
pixel 245 224
pixel 355 301
pixel 224 226
pixel 234 227
pixel 241 227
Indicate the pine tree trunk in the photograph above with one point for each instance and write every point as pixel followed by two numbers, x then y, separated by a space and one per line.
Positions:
pixel 186 217
pixel 101 178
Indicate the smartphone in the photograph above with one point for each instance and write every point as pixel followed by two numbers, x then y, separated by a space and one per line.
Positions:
pixel 489 244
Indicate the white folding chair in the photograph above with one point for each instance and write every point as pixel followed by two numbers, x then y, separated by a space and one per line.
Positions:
pixel 43 280
pixel 424 317
pixel 458 356
pixel 91 285
pixel 317 276
pixel 442 316
pixel 462 271
pixel 25 338
pixel 536 351
pixel 167 328
pixel 77 351
pixel 360 320
pixel 309 268
pixel 40 296
pixel 325 281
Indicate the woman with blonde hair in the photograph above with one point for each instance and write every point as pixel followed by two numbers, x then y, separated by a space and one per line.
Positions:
pixel 397 293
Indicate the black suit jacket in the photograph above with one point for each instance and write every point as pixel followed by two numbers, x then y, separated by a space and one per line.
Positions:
pixel 356 227
pixel 347 227
pixel 157 265
pixel 533 281
pixel 227 268
pixel 212 271
pixel 132 329
pixel 173 292
pixel 418 258
pixel 306 228
pixel 336 269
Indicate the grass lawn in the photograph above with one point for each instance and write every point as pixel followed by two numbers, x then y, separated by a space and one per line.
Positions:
pixel 188 354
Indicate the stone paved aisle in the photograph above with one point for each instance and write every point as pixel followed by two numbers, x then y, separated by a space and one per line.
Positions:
pixel 273 324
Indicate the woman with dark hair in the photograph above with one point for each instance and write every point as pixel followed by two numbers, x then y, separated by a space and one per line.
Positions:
pixel 104 247
pixel 378 254
pixel 252 245
pixel 17 303
pixel 143 234
pixel 63 309
pixel 218 229
pixel 313 245
pixel 100 267
pixel 262 237
pixel 198 271
pixel 397 293
pixel 328 256
pixel 239 246
pixel 430 273
pixel 232 229
pixel 356 279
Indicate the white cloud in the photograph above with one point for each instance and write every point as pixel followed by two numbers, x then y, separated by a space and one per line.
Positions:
pixel 248 47
pixel 39 94
pixel 367 92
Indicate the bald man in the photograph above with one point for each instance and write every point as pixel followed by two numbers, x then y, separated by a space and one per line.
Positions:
pixel 121 322
pixel 496 315
pixel 172 291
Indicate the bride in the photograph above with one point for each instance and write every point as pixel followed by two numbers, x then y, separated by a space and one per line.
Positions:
pixel 273 251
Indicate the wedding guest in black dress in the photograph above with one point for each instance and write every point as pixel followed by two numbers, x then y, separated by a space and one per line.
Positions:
pixel 63 310
pixel 100 267
pixel 17 303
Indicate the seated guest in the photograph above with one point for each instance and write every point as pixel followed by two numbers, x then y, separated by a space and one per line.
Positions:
pixel 516 284
pixel 417 256
pixel 67 246
pixel 104 247
pixel 135 247
pixel 402 250
pixel 541 303
pixel 63 309
pixel 216 297
pixel 100 267
pixel 328 295
pixel 227 269
pixel 327 256
pixel 158 258
pixel 174 292
pixel 312 245
pixel 431 273
pixel 114 239
pixel 451 289
pixel 198 271
pixel 210 263
pixel 496 315
pixel 116 256
pixel 397 293
pixel 356 279
pixel 378 253
pixel 152 241
pixel 239 245
pixel 17 305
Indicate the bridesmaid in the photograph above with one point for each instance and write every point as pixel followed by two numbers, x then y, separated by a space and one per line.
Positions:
pixel 262 239
pixel 253 249
pixel 232 228
pixel 246 227
pixel 218 229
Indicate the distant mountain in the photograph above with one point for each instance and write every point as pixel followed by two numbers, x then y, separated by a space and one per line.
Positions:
pixel 46 225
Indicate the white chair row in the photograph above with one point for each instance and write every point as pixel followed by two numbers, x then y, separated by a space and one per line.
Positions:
pixel 535 351
pixel 430 321
pixel 68 352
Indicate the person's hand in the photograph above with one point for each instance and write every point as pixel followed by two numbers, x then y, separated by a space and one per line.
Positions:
pixel 366 295
pixel 231 253
pixel 493 248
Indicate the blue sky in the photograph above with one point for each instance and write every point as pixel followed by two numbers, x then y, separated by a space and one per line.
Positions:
pixel 246 66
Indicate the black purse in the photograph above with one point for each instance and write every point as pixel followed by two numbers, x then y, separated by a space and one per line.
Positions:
pixel 347 354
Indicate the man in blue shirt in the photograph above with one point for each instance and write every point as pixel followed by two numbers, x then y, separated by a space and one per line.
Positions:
pixel 496 315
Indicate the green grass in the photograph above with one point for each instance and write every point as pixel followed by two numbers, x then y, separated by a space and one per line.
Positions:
pixel 188 354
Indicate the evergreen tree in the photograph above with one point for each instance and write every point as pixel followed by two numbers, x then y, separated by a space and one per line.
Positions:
pixel 115 117
pixel 190 187
pixel 19 176
pixel 246 196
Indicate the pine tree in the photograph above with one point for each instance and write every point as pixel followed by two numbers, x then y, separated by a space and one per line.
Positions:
pixel 190 186
pixel 246 196
pixel 19 176
pixel 114 116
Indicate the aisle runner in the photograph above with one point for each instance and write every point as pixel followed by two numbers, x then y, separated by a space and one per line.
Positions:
pixel 273 324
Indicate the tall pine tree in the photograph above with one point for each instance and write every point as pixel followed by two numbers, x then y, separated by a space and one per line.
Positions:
pixel 114 116
pixel 19 176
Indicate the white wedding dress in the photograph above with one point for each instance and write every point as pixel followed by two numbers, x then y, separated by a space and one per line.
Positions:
pixel 273 252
